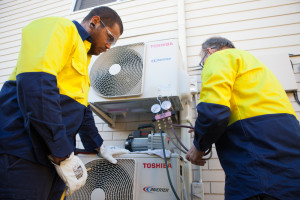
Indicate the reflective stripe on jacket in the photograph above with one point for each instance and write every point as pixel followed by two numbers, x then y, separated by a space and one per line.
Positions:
pixel 246 112
pixel 45 101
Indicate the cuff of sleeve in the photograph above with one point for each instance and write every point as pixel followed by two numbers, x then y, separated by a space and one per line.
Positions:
pixel 90 142
pixel 199 146
pixel 98 141
pixel 60 147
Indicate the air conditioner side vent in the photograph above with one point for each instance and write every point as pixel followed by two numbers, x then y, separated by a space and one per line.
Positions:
pixel 116 181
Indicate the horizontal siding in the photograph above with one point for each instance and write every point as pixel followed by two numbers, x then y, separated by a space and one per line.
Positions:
pixel 245 35
pixel 9 50
pixel 5 71
pixel 8 3
pixel 248 25
pixel 14 19
pixel 21 9
pixel 243 9
pixel 143 21
pixel 237 26
pixel 256 26
pixel 203 4
pixel 37 12
pixel 133 7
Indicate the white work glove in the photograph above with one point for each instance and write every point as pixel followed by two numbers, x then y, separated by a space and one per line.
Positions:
pixel 109 151
pixel 73 172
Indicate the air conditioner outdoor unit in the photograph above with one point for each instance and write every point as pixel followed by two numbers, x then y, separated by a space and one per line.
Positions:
pixel 129 78
pixel 134 177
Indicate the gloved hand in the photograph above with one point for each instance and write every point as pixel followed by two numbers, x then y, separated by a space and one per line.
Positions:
pixel 73 172
pixel 109 151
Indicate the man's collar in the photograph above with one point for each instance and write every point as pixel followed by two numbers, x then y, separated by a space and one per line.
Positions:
pixel 82 32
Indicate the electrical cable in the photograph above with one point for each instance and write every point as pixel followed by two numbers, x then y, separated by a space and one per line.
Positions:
pixel 177 137
pixel 178 147
pixel 166 163
pixel 206 153
pixel 184 126
pixel 296 97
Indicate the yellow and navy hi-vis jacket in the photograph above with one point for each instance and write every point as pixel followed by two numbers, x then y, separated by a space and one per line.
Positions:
pixel 244 110
pixel 44 104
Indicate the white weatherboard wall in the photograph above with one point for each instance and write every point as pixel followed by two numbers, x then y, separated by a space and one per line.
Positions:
pixel 259 26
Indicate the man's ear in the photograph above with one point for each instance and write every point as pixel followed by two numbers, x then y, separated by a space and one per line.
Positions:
pixel 95 20
pixel 210 50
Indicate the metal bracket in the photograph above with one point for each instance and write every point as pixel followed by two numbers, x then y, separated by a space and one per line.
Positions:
pixel 109 120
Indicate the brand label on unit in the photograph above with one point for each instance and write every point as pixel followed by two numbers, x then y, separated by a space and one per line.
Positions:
pixel 155 189
pixel 156 165
pixel 160 60
pixel 165 44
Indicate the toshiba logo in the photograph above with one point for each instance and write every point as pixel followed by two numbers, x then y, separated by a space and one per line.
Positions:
pixel 156 165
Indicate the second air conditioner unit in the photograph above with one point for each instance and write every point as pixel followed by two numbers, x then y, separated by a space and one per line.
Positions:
pixel 129 78
pixel 134 177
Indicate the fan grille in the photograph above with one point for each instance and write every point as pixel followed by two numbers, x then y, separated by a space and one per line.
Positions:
pixel 108 81
pixel 116 180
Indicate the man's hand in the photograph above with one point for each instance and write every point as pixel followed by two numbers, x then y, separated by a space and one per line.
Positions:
pixel 72 171
pixel 195 156
pixel 109 151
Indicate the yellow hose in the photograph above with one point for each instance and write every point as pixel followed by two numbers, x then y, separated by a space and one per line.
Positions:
pixel 64 194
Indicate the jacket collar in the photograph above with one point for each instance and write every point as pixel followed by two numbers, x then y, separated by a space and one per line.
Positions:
pixel 82 32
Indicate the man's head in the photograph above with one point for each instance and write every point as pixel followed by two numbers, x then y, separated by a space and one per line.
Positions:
pixel 212 45
pixel 105 27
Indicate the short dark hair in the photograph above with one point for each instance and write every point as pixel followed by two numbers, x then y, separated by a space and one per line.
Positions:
pixel 217 43
pixel 107 15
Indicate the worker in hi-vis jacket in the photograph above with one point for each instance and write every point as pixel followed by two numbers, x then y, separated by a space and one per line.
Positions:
pixel 44 104
pixel 244 110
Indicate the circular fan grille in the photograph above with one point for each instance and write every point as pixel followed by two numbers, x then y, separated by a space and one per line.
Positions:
pixel 118 72
pixel 115 180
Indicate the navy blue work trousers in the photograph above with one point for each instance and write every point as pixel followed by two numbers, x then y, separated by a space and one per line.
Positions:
pixel 22 179
pixel 262 197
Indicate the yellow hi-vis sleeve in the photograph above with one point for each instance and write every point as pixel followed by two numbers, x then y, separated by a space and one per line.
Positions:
pixel 218 78
pixel 46 45
pixel 236 79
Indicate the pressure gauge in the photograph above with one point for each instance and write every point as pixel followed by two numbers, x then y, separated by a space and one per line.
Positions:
pixel 155 108
pixel 166 105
